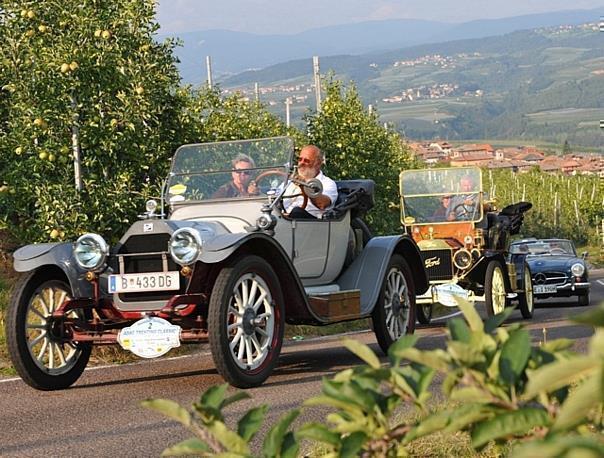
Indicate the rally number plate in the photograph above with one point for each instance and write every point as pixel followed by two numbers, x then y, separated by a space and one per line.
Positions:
pixel 149 281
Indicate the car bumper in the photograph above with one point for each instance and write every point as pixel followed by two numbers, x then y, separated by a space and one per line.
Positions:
pixel 567 289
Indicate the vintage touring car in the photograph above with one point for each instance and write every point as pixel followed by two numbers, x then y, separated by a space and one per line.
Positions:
pixel 464 241
pixel 218 267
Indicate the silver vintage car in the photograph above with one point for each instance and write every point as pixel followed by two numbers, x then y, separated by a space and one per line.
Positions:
pixel 210 264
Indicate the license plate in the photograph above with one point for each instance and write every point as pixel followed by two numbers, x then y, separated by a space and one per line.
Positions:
pixel 150 281
pixel 544 289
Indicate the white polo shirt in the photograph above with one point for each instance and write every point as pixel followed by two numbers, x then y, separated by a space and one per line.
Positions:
pixel 330 189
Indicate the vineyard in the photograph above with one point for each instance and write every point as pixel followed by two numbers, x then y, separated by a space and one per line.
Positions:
pixel 563 206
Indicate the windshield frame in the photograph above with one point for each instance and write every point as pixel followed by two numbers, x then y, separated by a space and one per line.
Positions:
pixel 425 203
pixel 184 169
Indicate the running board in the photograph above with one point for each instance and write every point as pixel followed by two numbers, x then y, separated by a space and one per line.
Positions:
pixel 337 306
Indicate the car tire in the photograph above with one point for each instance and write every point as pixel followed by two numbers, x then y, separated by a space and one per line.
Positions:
pixel 246 322
pixel 583 299
pixel 494 288
pixel 42 361
pixel 424 312
pixel 526 299
pixel 393 318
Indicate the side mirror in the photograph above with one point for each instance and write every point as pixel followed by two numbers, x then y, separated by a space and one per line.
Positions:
pixel 584 255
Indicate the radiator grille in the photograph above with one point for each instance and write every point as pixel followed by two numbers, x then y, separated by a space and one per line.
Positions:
pixel 151 243
pixel 438 264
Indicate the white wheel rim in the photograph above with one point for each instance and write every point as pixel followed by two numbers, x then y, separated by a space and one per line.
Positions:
pixel 54 358
pixel 528 290
pixel 498 291
pixel 251 299
pixel 396 291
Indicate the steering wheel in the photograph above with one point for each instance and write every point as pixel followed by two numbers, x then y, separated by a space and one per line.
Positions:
pixel 282 176
pixel 464 211
pixel 270 173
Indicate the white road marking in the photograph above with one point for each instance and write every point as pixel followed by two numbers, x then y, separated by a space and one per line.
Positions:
pixel 447 316
pixel 600 282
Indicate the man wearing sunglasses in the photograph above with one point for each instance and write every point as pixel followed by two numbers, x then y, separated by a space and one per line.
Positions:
pixel 309 166
pixel 241 184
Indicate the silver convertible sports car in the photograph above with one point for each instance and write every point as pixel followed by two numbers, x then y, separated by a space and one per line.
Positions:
pixel 211 263
pixel 556 268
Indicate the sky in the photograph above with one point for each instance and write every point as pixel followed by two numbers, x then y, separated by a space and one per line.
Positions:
pixel 293 16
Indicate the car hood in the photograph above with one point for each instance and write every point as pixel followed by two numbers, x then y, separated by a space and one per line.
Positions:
pixel 549 262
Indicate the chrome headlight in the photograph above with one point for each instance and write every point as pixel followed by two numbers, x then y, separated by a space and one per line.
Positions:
pixel 90 252
pixel 462 259
pixel 577 269
pixel 185 246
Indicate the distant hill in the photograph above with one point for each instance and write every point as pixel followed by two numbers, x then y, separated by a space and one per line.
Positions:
pixel 545 84
pixel 234 52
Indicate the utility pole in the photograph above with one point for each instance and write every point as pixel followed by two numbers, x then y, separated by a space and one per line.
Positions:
pixel 288 102
pixel 317 76
pixel 75 142
pixel 209 68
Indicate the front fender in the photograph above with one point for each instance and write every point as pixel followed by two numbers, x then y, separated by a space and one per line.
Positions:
pixel 367 272
pixel 38 256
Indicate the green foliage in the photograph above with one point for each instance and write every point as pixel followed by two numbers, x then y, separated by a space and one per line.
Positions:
pixel 97 67
pixel 545 400
pixel 213 436
pixel 567 206
pixel 356 146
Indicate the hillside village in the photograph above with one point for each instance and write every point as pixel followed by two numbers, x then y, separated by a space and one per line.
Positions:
pixel 520 159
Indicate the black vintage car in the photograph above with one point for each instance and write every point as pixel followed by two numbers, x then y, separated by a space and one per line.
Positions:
pixel 556 268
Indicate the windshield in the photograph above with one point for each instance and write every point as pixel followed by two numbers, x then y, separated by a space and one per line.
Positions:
pixel 441 195
pixel 229 170
pixel 544 247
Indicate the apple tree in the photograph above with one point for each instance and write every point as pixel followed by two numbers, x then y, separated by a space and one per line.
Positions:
pixel 93 69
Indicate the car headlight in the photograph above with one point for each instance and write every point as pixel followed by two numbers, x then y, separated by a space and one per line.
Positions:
pixel 185 246
pixel 577 269
pixel 462 259
pixel 90 252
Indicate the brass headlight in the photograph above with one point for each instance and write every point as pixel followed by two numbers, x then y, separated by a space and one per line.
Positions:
pixel 462 259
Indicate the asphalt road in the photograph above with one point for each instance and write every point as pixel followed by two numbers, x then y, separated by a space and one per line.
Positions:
pixel 101 416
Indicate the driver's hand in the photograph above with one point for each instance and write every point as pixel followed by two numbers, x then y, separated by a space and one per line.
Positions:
pixel 469 202
pixel 252 188
pixel 451 217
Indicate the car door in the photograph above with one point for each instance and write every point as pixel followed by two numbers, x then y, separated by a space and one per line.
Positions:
pixel 310 248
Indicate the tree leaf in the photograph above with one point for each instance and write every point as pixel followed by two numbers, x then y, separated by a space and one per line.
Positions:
pixel 470 394
pixel 290 446
pixel 193 446
pixel 407 341
pixel 470 314
pixel 236 397
pixel 579 403
pixel 275 437
pixel 467 354
pixel 436 359
pixel 249 424
pixel 493 322
pixel 214 396
pixel 362 351
pixel 318 432
pixel 518 422
pixel 352 444
pixel 230 439
pixel 459 330
pixel 560 374
pixel 514 356
pixel 593 317
pixel 170 409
